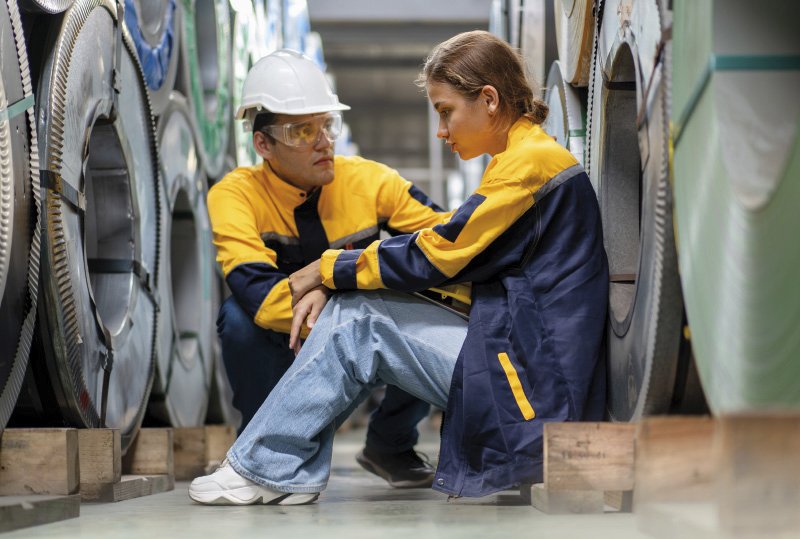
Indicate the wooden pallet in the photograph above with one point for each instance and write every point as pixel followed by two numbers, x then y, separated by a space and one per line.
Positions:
pixel 198 450
pixel 106 476
pixel 38 477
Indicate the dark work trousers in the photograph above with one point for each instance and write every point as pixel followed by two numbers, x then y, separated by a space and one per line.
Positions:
pixel 255 359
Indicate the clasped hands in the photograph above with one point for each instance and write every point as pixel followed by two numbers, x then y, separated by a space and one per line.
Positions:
pixel 309 297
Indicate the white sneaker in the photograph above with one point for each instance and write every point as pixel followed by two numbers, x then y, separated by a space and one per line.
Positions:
pixel 226 487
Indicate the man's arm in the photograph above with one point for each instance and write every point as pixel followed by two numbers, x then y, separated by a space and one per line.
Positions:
pixel 250 268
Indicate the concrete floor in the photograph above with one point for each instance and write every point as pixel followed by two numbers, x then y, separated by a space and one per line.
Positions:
pixel 356 504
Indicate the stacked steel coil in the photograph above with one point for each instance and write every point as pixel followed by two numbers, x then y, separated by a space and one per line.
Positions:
pixel 132 120
pixel 690 140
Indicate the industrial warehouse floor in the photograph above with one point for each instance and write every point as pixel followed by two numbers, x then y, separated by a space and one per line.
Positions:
pixel 356 504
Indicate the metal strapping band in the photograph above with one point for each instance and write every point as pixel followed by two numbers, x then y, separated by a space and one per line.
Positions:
pixel 622 278
pixel 123 265
pixel 14 110
pixel 732 63
pixel 666 35
pixel 50 180
pixel 623 86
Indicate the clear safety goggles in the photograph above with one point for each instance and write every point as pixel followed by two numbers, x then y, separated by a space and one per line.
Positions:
pixel 307 133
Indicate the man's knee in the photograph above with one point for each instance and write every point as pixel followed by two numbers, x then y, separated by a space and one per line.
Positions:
pixel 232 318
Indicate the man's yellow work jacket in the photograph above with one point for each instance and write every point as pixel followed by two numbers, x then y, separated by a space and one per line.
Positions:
pixel 265 229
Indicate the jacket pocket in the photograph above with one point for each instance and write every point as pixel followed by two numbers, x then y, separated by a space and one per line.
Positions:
pixel 516 387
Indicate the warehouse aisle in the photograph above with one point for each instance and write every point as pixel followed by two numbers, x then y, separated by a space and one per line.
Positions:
pixel 355 505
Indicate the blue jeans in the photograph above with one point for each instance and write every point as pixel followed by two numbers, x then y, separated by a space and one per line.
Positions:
pixel 256 358
pixel 361 340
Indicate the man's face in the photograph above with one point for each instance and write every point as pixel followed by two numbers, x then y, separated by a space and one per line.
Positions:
pixel 307 166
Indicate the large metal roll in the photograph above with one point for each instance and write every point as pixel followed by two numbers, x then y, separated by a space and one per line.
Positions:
pixel 100 247
pixel 20 207
pixel 46 6
pixel 186 291
pixel 207 56
pixel 735 75
pixel 574 24
pixel 628 162
pixel 565 120
pixel 244 37
pixel 296 24
pixel 155 27
pixel 268 28
pixel 537 40
pixel 220 405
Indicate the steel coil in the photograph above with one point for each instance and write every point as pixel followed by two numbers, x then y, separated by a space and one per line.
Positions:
pixel 207 65
pixel 155 30
pixel 574 24
pixel 20 210
pixel 100 247
pixel 220 405
pixel 295 24
pixel 565 120
pixel 46 6
pixel 185 283
pixel 537 40
pixel 735 74
pixel 244 36
pixel 628 161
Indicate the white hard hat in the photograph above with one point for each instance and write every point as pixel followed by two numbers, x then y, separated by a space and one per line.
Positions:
pixel 286 82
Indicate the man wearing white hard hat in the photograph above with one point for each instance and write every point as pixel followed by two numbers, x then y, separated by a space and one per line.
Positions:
pixel 273 219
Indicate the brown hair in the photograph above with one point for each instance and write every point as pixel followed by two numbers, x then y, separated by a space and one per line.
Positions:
pixel 471 60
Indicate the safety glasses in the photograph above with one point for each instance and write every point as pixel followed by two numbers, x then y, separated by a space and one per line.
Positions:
pixel 307 133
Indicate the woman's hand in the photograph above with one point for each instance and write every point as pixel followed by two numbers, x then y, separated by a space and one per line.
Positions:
pixel 304 280
pixel 306 310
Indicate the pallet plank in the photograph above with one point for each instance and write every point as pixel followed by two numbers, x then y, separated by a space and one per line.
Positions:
pixel 24 511
pixel 151 453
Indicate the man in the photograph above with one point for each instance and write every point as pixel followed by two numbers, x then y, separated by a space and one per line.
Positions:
pixel 271 220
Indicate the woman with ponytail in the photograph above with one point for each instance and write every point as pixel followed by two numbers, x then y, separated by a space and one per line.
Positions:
pixel 528 242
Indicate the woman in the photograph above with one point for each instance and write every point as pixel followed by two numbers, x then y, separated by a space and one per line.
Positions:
pixel 529 240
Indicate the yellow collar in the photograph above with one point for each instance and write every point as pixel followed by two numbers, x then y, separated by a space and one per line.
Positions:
pixel 286 194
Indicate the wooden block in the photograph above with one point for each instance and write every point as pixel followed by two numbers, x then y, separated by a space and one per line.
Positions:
pixel 100 455
pixel 758 486
pixel 23 511
pixel 559 502
pixel 619 500
pixel 674 460
pixel 190 452
pixel 151 453
pixel 588 456
pixel 129 487
pixel 39 461
pixel 219 438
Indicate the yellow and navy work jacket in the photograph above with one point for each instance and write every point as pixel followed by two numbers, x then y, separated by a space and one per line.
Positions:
pixel 265 229
pixel 530 241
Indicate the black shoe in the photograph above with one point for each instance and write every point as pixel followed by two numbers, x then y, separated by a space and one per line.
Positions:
pixel 401 470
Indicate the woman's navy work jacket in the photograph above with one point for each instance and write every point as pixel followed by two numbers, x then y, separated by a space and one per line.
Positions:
pixel 530 241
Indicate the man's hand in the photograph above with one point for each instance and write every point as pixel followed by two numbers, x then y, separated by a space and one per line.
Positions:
pixel 307 310
pixel 304 280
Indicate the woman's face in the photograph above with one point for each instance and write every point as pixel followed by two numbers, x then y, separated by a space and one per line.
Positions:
pixel 466 125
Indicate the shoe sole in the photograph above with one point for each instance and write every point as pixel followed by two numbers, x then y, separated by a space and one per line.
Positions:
pixel 373 468
pixel 243 496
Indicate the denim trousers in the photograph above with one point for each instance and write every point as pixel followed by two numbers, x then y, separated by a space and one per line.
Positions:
pixel 361 340
pixel 256 358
